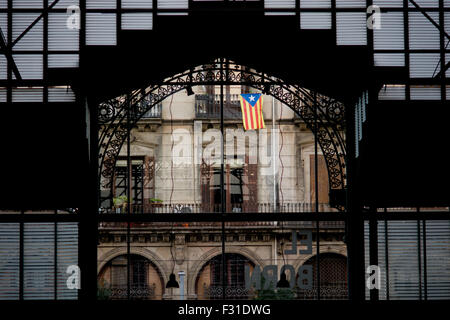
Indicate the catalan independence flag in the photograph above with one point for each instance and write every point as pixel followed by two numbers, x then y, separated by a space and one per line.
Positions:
pixel 251 106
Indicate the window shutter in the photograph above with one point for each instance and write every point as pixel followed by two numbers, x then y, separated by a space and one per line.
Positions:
pixel 322 179
pixel 205 179
pixel 149 181
pixel 250 196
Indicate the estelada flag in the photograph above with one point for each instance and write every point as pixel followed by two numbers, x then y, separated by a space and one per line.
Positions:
pixel 251 106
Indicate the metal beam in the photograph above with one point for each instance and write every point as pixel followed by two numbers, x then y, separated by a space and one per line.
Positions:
pixel 46 10
pixel 437 25
pixel 9 56
pixel 440 28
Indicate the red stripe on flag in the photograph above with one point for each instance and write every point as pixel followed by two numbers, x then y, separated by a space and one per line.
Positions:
pixel 257 115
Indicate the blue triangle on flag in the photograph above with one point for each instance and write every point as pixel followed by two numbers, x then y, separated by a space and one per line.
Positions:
pixel 251 98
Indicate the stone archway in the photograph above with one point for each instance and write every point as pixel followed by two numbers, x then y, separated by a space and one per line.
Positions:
pixel 196 268
pixel 148 254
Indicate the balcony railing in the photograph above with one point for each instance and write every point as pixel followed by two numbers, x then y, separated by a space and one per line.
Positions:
pixel 154 112
pixel 136 292
pixel 231 292
pixel 216 208
pixel 330 291
pixel 208 107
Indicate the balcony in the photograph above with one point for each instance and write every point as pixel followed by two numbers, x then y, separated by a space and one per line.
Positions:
pixel 294 207
pixel 153 113
pixel 208 107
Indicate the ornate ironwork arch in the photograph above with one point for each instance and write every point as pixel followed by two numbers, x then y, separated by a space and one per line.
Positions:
pixel 324 116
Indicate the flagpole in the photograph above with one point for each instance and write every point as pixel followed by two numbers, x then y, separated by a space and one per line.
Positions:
pixel 274 157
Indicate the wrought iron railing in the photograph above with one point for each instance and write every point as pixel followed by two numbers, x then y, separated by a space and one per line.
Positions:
pixel 208 107
pixel 136 292
pixel 154 112
pixel 330 291
pixel 231 292
pixel 291 207
pixel 337 225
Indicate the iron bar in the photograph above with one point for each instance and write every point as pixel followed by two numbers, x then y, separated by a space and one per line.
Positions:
pixel 222 189
pixel 129 196
pixel 424 235
pixel 419 264
pixel 373 252
pixel 44 12
pixel 316 191
pixel 9 56
pixel 386 256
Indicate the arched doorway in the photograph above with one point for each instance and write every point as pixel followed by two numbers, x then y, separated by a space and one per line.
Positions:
pixel 209 280
pixel 324 116
pixel 145 280
pixel 333 278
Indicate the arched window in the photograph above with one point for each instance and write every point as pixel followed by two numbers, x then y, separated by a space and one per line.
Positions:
pixel 333 278
pixel 209 280
pixel 145 280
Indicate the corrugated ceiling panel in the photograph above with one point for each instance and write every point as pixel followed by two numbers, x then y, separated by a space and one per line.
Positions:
pixel 389 59
pixel 3 67
pixel 29 65
pixel 63 60
pixel 392 92
pixel 389 3
pixel 34 39
pixel 61 94
pixel 351 28
pixel 382 259
pixel 423 65
pixel 29 4
pixel 403 260
pixel 137 21
pixel 426 3
pixel 60 37
pixel 100 29
pixel 315 3
pixel 350 3
pixel 390 35
pixel 39 261
pixel 425 92
pixel 315 20
pixel 3 94
pixel 438 259
pixel 101 4
pixel 173 4
pixel 447 21
pixel 64 4
pixel 9 261
pixel 67 255
pixel 285 4
pixel 422 33
pixel 35 94
pixel 141 4
pixel 4 23
pixel 366 252
pixel 279 13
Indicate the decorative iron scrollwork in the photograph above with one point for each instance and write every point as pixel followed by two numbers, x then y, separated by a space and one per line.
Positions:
pixel 327 127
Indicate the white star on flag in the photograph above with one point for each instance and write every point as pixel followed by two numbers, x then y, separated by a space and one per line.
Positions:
pixel 252 98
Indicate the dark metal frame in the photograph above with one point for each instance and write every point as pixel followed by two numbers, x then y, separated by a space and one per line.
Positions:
pixel 88 218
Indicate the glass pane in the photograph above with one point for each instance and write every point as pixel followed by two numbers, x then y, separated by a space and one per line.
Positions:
pixel 257 254
pixel 176 157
